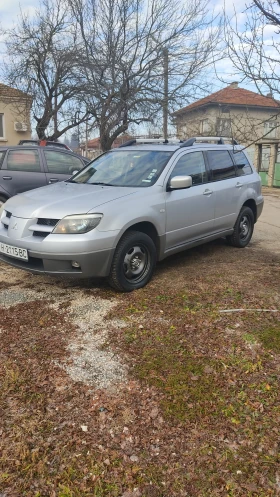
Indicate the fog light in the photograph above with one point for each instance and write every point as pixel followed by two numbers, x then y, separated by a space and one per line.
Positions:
pixel 75 264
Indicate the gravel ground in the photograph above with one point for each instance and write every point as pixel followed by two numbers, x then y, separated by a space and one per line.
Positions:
pixel 89 362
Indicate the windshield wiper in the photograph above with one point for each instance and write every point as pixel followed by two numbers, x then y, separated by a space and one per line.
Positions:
pixel 101 183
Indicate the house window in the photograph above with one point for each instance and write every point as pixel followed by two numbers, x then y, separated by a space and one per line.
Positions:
pixel 270 128
pixel 205 126
pixel 223 127
pixel 1 125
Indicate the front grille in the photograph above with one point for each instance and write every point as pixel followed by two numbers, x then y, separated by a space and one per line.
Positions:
pixel 47 222
pixel 42 234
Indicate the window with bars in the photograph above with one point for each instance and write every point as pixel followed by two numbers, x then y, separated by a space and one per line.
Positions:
pixel 270 129
pixel 223 126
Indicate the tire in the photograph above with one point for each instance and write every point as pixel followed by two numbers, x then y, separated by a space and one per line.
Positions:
pixel 243 228
pixel 133 263
pixel 2 200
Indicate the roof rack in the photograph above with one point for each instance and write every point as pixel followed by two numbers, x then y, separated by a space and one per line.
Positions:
pixel 159 141
pixel 219 139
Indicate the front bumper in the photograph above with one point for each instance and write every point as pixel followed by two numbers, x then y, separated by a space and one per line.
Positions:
pixel 94 264
pixel 54 254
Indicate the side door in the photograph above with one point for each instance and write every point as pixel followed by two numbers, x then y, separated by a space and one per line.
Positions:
pixel 22 171
pixel 60 165
pixel 190 211
pixel 226 187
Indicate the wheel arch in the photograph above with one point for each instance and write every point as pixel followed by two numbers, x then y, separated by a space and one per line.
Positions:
pixel 149 229
pixel 252 204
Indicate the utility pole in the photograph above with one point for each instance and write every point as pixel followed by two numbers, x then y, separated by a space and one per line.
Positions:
pixel 165 94
pixel 55 113
pixel 86 144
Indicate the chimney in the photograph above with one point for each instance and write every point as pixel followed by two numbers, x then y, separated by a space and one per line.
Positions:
pixel 269 95
pixel 234 85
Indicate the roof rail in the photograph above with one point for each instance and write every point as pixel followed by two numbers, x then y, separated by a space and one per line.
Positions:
pixel 219 139
pixel 159 141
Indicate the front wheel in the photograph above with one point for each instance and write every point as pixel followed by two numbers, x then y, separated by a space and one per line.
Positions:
pixel 243 228
pixel 133 263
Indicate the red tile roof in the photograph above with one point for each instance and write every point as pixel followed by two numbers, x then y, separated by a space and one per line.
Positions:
pixel 232 96
pixel 7 91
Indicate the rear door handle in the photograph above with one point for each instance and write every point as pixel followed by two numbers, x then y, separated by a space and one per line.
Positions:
pixel 53 180
pixel 238 185
pixel 7 177
pixel 207 192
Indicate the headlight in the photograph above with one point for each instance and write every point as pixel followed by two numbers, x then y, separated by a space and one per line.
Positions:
pixel 79 223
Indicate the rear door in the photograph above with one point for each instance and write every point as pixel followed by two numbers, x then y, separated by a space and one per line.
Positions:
pixel 226 187
pixel 60 165
pixel 22 170
pixel 190 211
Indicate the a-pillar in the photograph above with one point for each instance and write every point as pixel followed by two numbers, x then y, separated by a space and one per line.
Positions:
pixel 272 160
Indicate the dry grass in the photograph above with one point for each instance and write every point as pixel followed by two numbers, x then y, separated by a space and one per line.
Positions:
pixel 199 415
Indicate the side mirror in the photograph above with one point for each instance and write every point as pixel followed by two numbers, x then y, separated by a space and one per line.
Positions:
pixel 180 182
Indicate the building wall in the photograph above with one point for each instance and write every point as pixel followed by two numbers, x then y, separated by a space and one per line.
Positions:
pixel 246 125
pixel 15 111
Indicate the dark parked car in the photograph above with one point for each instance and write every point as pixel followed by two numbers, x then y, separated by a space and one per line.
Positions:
pixel 25 168
pixel 44 143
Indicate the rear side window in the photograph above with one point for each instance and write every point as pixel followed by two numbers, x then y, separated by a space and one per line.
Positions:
pixel 24 160
pixel 60 163
pixel 221 165
pixel 193 165
pixel 243 166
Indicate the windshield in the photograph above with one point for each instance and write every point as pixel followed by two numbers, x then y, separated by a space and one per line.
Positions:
pixel 125 168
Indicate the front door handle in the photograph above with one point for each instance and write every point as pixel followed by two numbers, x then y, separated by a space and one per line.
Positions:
pixel 207 192
pixel 53 180
pixel 238 185
pixel 7 177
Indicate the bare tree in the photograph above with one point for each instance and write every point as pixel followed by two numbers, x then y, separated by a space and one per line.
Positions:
pixel 42 52
pixel 126 47
pixel 254 49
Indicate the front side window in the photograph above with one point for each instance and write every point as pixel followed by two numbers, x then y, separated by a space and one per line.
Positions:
pixel 241 161
pixel 221 164
pixel 193 165
pixel 1 125
pixel 60 163
pixel 125 168
pixel 23 160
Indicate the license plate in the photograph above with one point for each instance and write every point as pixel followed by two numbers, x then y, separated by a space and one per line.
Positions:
pixel 18 253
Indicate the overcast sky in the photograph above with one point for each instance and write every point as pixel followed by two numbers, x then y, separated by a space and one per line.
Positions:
pixel 10 9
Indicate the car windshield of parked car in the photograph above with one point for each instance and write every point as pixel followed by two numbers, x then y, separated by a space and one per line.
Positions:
pixel 125 168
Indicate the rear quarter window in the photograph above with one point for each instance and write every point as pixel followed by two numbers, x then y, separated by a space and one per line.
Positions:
pixel 242 163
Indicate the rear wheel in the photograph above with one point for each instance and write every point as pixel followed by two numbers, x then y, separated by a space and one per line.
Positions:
pixel 243 228
pixel 133 263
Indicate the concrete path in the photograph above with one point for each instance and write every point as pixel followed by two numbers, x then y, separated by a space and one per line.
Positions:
pixel 267 229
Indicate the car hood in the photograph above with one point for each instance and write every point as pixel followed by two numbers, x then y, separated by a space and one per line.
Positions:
pixel 63 199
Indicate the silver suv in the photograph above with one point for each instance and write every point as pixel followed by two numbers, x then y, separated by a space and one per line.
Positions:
pixel 131 207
